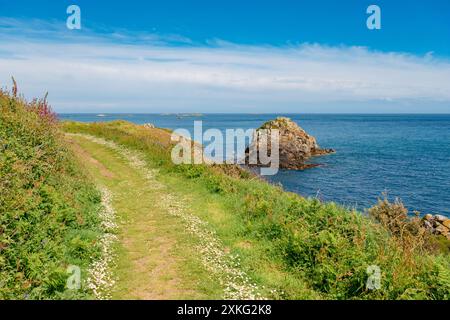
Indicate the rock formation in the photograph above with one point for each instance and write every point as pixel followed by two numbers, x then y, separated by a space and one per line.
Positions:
pixel 437 224
pixel 295 145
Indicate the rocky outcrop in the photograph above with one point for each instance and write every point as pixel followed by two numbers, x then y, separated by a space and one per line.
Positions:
pixel 295 145
pixel 437 224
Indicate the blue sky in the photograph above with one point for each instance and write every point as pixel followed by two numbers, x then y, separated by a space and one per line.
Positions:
pixel 237 56
pixel 410 26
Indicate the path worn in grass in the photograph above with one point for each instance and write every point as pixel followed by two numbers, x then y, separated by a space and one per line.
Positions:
pixel 165 251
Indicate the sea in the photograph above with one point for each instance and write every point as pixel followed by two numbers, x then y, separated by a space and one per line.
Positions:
pixel 405 156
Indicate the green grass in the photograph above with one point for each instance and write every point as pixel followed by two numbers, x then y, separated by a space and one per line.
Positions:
pixel 48 209
pixel 267 272
pixel 155 257
pixel 304 248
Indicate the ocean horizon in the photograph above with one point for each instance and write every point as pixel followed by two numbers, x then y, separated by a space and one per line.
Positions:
pixel 405 156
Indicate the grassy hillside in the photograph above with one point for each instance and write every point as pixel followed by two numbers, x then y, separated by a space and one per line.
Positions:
pixel 295 247
pixel 289 247
pixel 48 209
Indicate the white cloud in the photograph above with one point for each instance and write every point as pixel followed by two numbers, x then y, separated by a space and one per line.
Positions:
pixel 92 73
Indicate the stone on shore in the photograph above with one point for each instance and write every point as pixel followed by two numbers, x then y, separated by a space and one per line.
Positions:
pixel 446 223
pixel 437 224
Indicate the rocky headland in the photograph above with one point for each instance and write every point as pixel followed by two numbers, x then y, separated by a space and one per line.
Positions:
pixel 295 145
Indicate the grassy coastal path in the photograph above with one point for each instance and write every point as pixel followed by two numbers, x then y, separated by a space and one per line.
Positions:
pixel 137 226
pixel 217 232
pixel 163 250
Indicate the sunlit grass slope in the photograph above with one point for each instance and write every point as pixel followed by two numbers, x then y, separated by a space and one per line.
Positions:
pixel 302 248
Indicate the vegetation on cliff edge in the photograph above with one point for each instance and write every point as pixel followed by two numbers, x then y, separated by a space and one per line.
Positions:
pixel 48 209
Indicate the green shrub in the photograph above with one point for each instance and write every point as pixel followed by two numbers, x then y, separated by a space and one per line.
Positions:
pixel 48 210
